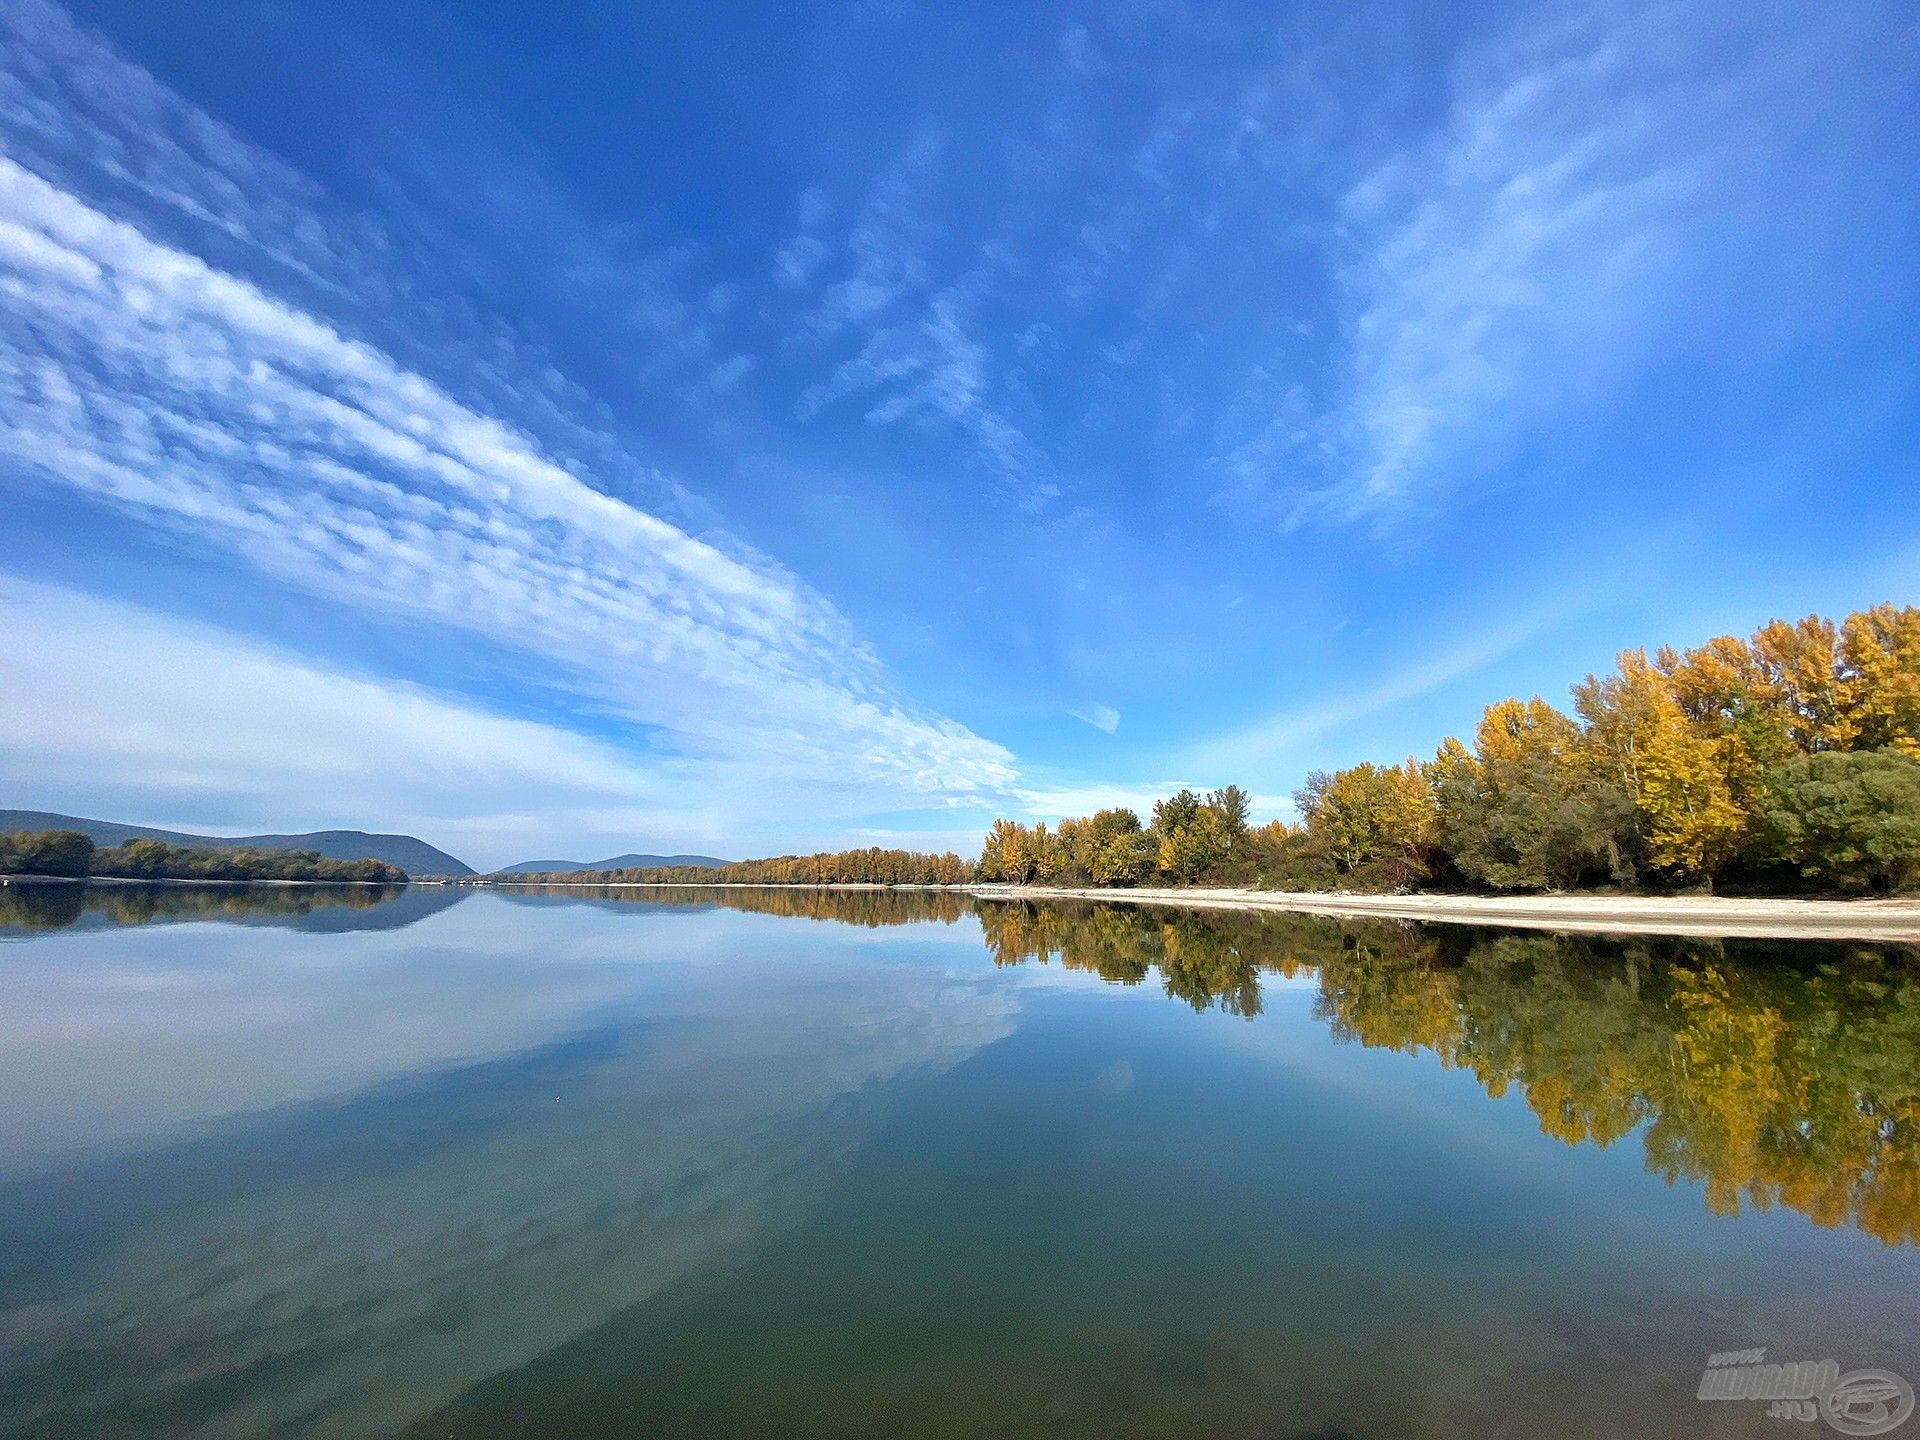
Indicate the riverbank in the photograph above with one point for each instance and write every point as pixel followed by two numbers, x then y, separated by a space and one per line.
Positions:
pixel 1728 917
pixel 1894 921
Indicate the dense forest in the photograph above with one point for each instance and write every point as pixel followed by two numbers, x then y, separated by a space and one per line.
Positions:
pixel 1786 761
pixel 68 853
pixel 843 867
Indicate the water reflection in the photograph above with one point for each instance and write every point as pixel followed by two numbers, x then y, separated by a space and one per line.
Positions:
pixel 1771 1074
pixel 30 907
pixel 871 908
pixel 538 1166
pixel 332 1264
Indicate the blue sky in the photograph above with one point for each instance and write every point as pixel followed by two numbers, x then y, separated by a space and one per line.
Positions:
pixel 569 428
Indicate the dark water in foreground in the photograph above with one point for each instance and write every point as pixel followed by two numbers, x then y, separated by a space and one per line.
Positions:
pixel 437 1163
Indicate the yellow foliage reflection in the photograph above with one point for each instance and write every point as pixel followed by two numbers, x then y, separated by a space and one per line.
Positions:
pixel 1769 1075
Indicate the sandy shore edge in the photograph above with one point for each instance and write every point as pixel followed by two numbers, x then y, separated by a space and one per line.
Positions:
pixel 1702 915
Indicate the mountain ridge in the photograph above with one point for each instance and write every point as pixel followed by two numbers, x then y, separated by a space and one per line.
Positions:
pixel 409 852
pixel 617 862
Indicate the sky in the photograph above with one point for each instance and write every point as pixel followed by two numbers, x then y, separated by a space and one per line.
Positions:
pixel 567 429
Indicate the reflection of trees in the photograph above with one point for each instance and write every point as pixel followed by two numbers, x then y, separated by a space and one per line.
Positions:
pixel 1203 959
pixel 1769 1076
pixel 871 908
pixel 54 907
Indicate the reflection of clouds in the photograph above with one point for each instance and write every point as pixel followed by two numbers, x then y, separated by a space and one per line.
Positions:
pixel 388 1251
pixel 131 1037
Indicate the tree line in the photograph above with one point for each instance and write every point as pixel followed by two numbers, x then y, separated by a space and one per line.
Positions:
pixel 872 866
pixel 69 853
pixel 1787 760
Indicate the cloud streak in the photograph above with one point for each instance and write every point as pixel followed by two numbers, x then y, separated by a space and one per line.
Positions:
pixel 1101 717
pixel 1609 182
pixel 137 374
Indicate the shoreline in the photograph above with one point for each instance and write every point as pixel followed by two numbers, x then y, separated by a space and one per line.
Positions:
pixel 1894 921
pixel 1707 916
pixel 1884 921
pixel 177 880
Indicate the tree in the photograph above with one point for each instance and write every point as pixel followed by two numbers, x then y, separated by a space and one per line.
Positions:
pixel 46 852
pixel 1190 849
pixel 1881 649
pixel 1527 810
pixel 1677 778
pixel 1851 819
pixel 1799 665
pixel 1233 803
pixel 1007 855
pixel 1124 859
pixel 1174 812
pixel 1371 813
pixel 1665 769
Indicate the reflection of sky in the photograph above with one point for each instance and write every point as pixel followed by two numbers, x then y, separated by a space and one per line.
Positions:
pixel 526 1121
pixel 127 1037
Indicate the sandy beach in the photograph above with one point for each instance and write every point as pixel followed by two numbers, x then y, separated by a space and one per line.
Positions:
pixel 1704 915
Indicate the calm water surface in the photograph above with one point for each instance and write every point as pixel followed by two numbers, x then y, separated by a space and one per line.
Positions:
pixel 445 1163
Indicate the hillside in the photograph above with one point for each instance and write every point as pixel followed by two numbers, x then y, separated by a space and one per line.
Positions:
pixel 617 862
pixel 413 855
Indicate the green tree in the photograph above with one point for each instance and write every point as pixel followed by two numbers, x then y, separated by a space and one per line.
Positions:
pixel 1849 818
pixel 1233 803
pixel 46 852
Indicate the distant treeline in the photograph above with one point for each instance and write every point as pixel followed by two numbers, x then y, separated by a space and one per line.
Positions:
pixel 70 853
pixel 844 867
pixel 1790 760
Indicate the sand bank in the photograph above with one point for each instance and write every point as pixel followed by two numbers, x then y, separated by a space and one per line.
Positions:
pixel 1709 915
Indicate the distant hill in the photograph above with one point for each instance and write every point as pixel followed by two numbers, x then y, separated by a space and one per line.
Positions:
pixel 416 857
pixel 617 862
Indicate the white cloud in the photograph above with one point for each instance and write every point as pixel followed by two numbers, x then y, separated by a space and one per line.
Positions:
pixel 1100 717
pixel 728 374
pixel 885 248
pixel 793 267
pixel 121 713
pixel 1535 233
pixel 933 370
pixel 1612 182
pixel 112 706
pixel 140 376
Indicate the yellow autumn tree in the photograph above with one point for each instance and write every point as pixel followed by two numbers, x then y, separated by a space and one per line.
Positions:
pixel 1799 667
pixel 1370 813
pixel 1676 777
pixel 1880 649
